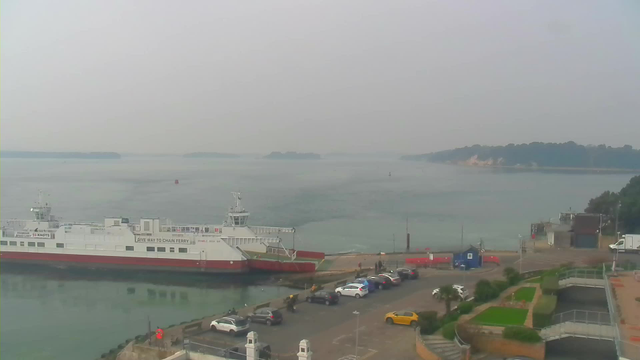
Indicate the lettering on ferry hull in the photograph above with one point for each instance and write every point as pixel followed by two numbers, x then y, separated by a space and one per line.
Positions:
pixel 164 240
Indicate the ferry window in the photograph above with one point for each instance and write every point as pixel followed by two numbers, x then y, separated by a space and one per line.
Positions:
pixel 13 243
pixel 31 243
pixel 59 245
pixel 21 243
pixel 151 248
pixel 3 243
pixel 206 229
pixel 40 244
pixel 182 250
pixel 147 226
pixel 172 249
pixel 162 249
pixel 129 248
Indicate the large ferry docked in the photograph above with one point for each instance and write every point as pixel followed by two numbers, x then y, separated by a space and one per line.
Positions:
pixel 151 244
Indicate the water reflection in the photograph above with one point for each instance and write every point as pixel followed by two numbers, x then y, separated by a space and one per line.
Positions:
pixel 76 303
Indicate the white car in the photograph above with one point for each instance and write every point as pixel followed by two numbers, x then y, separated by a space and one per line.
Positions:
pixel 462 292
pixel 233 324
pixel 356 290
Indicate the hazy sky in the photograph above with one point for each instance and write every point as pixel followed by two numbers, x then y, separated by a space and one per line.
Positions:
pixel 356 76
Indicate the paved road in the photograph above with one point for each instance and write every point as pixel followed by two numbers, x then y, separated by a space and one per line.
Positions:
pixel 332 329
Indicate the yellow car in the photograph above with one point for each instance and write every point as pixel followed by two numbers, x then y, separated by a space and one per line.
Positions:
pixel 403 317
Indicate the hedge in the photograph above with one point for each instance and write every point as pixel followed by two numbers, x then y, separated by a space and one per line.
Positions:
pixel 428 322
pixel 449 318
pixel 465 307
pixel 550 285
pixel 485 291
pixel 500 285
pixel 522 334
pixel 543 310
pixel 449 331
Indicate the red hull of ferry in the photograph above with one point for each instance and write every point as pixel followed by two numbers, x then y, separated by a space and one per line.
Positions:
pixel 116 262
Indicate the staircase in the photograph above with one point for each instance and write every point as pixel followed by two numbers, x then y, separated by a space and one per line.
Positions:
pixel 443 348
pixel 575 329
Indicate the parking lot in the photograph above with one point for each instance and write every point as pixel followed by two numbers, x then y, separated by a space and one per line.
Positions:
pixel 332 329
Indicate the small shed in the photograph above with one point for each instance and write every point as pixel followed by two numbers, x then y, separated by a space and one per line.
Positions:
pixel 470 258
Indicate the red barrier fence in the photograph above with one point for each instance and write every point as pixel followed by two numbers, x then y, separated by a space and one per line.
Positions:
pixel 491 259
pixel 428 262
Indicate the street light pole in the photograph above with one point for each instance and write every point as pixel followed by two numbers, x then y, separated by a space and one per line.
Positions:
pixel 520 237
pixel 357 314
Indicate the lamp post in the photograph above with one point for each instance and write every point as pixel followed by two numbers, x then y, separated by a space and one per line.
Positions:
pixel 357 314
pixel 520 237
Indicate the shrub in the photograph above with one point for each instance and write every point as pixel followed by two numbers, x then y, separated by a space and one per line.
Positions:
pixel 550 285
pixel 520 333
pixel 543 310
pixel 485 291
pixel 428 322
pixel 500 285
pixel 449 318
pixel 449 331
pixel 465 307
pixel 512 275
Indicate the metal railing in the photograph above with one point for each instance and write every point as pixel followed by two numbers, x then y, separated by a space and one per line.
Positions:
pixel 581 274
pixel 625 349
pixel 582 317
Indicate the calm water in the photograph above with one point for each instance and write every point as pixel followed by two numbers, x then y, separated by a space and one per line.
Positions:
pixel 336 205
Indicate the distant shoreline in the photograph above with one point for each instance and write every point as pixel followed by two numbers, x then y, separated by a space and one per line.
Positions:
pixel 547 168
pixel 59 155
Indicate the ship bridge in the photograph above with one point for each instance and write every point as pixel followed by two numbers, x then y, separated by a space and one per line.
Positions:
pixel 238 216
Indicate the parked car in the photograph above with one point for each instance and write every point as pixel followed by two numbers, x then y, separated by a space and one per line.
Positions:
pixel 406 273
pixel 369 284
pixel 233 325
pixel 266 315
pixel 403 317
pixel 462 292
pixel 356 290
pixel 381 282
pixel 395 279
pixel 324 297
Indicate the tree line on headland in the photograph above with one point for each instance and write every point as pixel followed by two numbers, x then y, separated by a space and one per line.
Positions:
pixel 538 154
pixel 625 204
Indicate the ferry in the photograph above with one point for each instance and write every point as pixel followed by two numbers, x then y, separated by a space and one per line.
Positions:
pixel 152 244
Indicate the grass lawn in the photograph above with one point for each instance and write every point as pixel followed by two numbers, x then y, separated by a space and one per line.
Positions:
pixel 525 293
pixel 535 280
pixel 501 316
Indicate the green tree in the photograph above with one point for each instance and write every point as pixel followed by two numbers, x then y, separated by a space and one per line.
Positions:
pixel 448 294
pixel 485 291
pixel 512 275
pixel 629 212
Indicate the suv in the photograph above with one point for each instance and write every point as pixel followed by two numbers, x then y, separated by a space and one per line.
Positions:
pixel 381 282
pixel 233 324
pixel 326 297
pixel 355 290
pixel 266 315
pixel 462 292
pixel 405 273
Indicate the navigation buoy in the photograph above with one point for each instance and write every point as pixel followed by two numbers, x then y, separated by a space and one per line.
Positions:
pixel 177 182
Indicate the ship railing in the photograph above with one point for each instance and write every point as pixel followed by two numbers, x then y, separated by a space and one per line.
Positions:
pixel 271 229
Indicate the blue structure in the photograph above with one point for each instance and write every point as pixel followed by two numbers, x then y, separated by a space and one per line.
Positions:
pixel 470 258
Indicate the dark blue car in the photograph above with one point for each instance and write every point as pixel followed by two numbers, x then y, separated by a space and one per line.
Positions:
pixel 369 284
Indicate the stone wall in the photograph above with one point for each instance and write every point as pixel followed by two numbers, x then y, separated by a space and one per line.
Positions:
pixel 497 345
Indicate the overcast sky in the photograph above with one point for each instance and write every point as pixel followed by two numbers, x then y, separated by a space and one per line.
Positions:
pixel 164 76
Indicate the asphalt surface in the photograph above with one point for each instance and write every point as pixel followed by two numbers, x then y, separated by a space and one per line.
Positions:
pixel 332 330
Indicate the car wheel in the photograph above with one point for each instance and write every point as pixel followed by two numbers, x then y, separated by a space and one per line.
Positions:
pixel 358 296
pixel 339 293
pixel 213 328
pixel 268 322
pixel 327 302
pixel 390 321
pixel 414 324
pixel 308 299
pixel 232 332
